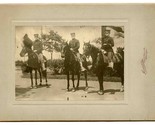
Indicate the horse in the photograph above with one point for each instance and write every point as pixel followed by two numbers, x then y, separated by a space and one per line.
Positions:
pixel 72 65
pixel 34 64
pixel 100 65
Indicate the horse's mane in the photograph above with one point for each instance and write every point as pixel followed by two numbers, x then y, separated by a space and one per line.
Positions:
pixel 95 49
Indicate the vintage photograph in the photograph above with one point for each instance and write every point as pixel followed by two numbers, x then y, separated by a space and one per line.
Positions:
pixel 69 63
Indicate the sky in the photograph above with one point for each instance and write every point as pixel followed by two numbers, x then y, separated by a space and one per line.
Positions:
pixel 83 34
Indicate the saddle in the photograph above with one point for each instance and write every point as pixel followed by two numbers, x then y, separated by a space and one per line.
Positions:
pixel 116 58
pixel 105 57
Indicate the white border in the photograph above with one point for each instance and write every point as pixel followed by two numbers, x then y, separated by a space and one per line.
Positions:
pixel 71 22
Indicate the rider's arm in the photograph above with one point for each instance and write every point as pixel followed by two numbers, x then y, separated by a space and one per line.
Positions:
pixel 111 42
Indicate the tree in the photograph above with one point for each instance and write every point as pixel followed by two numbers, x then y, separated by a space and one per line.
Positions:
pixel 52 42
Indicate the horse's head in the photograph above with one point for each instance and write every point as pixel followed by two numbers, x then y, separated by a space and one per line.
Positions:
pixel 87 47
pixel 23 51
pixel 64 49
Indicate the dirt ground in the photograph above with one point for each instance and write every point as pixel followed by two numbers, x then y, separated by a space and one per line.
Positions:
pixel 57 90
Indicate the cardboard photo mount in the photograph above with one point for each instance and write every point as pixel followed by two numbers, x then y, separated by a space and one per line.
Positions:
pixel 139 85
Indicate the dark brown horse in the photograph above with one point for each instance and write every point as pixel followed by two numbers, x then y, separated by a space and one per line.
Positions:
pixel 34 64
pixel 100 65
pixel 72 66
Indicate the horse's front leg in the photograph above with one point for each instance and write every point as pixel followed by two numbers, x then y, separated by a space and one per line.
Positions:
pixel 122 81
pixel 39 70
pixel 67 80
pixel 100 79
pixel 31 76
pixel 35 78
pixel 85 74
pixel 78 80
pixel 73 81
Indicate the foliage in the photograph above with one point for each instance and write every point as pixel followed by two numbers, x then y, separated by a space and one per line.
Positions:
pixel 19 63
pixel 56 66
pixel 52 41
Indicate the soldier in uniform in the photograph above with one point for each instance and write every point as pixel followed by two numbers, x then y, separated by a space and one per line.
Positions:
pixel 38 48
pixel 74 47
pixel 107 44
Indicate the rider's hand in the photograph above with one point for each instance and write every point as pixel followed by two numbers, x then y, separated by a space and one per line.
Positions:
pixel 102 50
pixel 35 50
pixel 71 49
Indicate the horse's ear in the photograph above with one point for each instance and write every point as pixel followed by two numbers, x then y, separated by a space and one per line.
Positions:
pixel 66 42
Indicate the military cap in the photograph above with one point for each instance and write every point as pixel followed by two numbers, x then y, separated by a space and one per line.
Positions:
pixel 107 31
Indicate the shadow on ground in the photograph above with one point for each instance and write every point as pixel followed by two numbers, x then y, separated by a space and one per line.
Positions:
pixel 111 91
pixel 21 91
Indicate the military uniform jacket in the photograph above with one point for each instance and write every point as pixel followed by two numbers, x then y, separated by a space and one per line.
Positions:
pixel 74 44
pixel 109 43
pixel 37 45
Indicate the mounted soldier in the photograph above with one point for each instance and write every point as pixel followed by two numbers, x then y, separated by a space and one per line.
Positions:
pixel 38 48
pixel 107 44
pixel 74 45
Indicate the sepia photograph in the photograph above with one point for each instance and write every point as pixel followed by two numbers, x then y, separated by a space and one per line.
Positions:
pixel 69 63
pixel 85 62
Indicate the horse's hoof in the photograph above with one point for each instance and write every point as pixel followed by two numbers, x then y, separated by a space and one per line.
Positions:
pixel 31 87
pixel 40 84
pixel 67 90
pixel 100 92
pixel 122 89
pixel 77 88
pixel 86 88
pixel 86 92
pixel 47 85
pixel 73 90
pixel 35 87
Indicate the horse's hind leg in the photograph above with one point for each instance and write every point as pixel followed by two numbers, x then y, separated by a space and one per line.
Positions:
pixel 122 82
pixel 68 81
pixel 78 80
pixel 85 74
pixel 73 81
pixel 31 76
pixel 40 77
pixel 35 78
pixel 45 71
pixel 100 79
